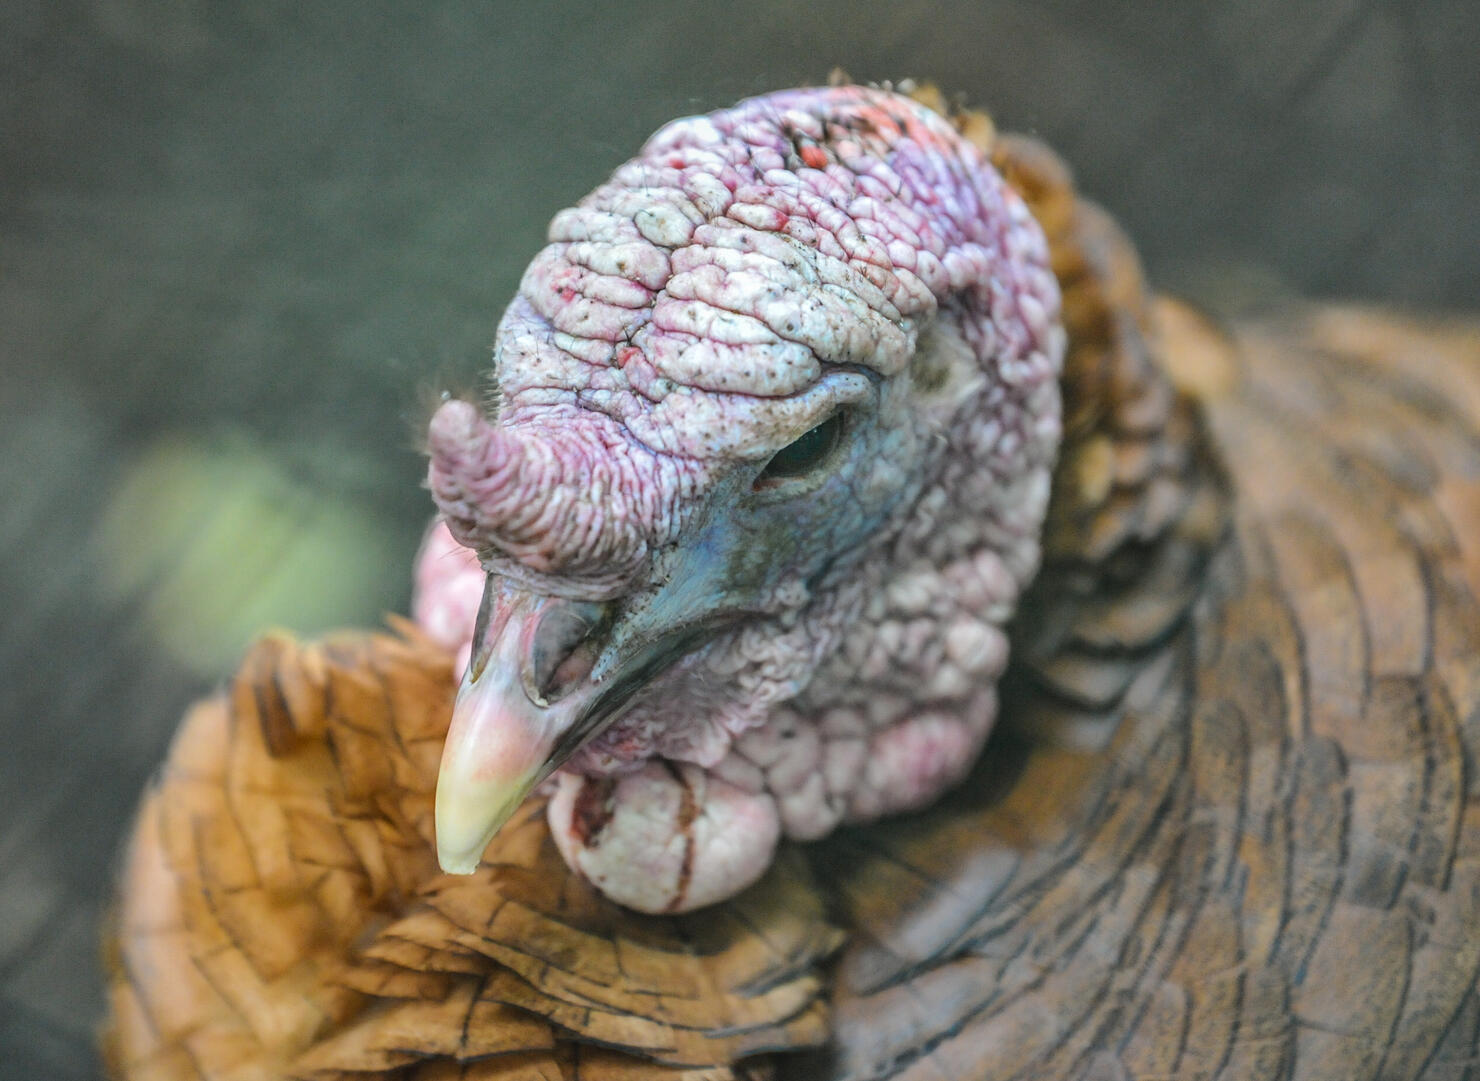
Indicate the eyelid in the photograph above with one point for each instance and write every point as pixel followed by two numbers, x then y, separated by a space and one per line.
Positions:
pixel 809 474
pixel 848 390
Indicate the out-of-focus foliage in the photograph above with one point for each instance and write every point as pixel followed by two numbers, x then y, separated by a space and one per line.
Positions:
pixel 218 542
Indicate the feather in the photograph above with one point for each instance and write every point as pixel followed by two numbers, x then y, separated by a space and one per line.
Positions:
pixel 283 916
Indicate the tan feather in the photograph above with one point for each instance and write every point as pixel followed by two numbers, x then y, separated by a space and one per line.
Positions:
pixel 282 913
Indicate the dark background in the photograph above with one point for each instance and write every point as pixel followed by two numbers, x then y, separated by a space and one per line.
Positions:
pixel 241 243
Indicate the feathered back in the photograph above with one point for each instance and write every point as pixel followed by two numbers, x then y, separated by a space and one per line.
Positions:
pixel 1248 847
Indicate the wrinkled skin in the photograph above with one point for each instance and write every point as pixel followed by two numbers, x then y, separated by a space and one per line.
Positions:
pixel 719 628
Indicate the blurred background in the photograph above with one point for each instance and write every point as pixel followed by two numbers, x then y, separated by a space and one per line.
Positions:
pixel 241 245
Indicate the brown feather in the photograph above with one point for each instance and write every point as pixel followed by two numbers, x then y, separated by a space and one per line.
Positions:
pixel 1247 849
pixel 283 916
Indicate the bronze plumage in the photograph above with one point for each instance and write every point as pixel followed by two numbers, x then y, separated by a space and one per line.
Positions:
pixel 1232 831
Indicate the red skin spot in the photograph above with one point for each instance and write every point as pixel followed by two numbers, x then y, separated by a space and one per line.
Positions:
pixel 593 810
pixel 685 824
pixel 814 156
pixel 627 353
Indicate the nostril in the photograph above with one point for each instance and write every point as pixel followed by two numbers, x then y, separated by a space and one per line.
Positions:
pixel 563 648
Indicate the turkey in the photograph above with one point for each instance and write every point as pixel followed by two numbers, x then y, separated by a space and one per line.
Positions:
pixel 704 757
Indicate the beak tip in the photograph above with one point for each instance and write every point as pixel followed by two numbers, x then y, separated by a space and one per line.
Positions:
pixel 458 863
pixel 469 815
pixel 464 830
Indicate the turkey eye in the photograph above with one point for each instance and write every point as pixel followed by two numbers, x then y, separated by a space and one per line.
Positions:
pixel 804 454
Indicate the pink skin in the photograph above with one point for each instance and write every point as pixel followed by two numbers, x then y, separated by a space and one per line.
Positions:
pixel 653 866
pixel 745 277
pixel 446 591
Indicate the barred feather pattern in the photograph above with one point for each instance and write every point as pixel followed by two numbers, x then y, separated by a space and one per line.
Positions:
pixel 282 914
pixel 1237 834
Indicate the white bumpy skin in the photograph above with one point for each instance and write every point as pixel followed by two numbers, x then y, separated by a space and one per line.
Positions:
pixel 836 261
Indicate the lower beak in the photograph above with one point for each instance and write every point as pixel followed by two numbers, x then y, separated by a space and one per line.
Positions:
pixel 518 715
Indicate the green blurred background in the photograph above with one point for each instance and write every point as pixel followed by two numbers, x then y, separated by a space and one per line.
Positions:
pixel 242 244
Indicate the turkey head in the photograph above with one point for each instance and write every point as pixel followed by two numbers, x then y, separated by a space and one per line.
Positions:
pixel 774 420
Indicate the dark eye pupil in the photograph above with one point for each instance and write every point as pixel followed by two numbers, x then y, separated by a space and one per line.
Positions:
pixel 805 453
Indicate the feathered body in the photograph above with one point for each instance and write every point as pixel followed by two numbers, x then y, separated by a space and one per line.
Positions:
pixel 1230 830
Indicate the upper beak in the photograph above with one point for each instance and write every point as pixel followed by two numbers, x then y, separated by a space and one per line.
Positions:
pixel 525 705
pixel 546 674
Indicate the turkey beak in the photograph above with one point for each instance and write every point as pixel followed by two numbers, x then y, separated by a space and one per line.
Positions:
pixel 522 710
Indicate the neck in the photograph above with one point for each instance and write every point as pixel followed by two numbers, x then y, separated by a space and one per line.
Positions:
pixel 1139 502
